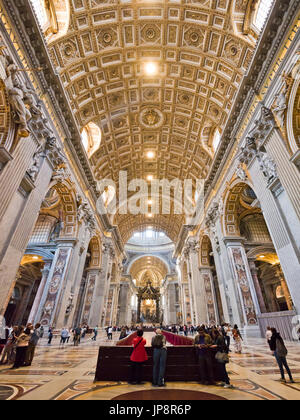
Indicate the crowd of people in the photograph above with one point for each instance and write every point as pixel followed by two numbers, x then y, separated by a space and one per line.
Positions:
pixel 211 342
pixel 20 345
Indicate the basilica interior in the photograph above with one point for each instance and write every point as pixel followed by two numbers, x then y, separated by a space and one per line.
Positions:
pixel 201 94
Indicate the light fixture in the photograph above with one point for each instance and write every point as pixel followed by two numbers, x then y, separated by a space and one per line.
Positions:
pixel 150 202
pixel 149 177
pixel 150 68
pixel 150 215
pixel 150 154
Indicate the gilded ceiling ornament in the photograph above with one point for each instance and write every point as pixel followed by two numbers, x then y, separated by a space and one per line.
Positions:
pixel 152 118
pixel 107 37
pixel 150 33
pixel 194 37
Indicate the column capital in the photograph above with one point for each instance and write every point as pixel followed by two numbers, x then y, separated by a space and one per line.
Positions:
pixel 233 241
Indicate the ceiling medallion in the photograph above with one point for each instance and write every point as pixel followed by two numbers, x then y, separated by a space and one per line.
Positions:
pixel 151 118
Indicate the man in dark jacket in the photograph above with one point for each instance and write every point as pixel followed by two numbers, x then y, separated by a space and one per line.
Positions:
pixel 35 336
pixel 203 342
pixel 159 345
pixel 280 352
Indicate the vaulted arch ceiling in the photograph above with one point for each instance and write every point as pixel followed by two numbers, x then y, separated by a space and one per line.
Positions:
pixel 201 54
pixel 151 268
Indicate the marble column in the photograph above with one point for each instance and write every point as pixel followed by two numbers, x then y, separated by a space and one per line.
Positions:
pixel 172 316
pixel 285 288
pixel 14 242
pixel 98 304
pixel 92 277
pixel 198 288
pixel 49 305
pixel 276 207
pixel 260 298
pixel 244 283
pixel 210 298
pixel 36 304
pixel 123 303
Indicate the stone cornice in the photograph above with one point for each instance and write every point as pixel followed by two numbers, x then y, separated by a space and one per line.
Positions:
pixel 27 28
pixel 282 15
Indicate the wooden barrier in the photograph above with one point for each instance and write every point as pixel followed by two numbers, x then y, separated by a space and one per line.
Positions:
pixel 182 364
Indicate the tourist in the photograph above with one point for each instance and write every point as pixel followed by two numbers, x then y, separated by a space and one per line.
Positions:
pixel 95 331
pixel 226 334
pixel 203 342
pixel 8 351
pixel 109 333
pixel 123 334
pixel 34 339
pixel 22 342
pixel 77 336
pixel 269 335
pixel 50 335
pixel 159 345
pixel 237 339
pixel 138 357
pixel 83 331
pixel 222 358
pixel 69 335
pixel 42 331
pixel 280 352
pixel 63 336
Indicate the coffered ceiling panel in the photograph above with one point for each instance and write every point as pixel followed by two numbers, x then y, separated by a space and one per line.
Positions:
pixel 201 56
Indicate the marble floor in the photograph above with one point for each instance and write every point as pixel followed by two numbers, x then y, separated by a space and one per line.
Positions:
pixel 68 373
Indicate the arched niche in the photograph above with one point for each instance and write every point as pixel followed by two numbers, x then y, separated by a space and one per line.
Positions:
pixel 238 199
pixel 95 250
pixel 205 251
pixel 68 203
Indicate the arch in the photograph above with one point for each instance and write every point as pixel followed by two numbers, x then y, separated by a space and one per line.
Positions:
pixel 95 249
pixel 69 213
pixel 232 201
pixel 41 252
pixel 157 257
pixel 205 251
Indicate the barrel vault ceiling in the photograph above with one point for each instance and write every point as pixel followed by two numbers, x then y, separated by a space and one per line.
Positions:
pixel 201 54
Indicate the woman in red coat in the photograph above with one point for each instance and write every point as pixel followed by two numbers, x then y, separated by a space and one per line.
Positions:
pixel 138 357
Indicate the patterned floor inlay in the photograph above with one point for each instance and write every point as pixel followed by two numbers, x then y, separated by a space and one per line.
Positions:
pixel 168 395
pixel 18 372
pixel 68 373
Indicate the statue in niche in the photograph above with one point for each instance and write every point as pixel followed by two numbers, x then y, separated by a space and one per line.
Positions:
pixel 267 166
pixel 241 173
pixel 33 171
pixel 70 304
pixel 58 227
pixel 16 97
pixel 281 102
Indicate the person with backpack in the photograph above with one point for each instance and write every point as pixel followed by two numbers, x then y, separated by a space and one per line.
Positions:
pixel 138 357
pixel 159 345
pixel 95 331
pixel 77 336
pixel 280 352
